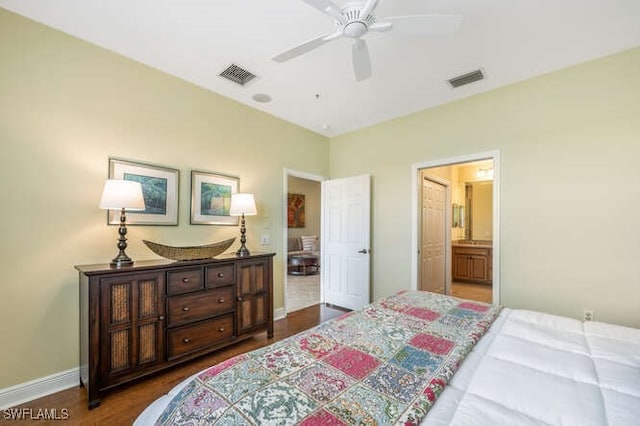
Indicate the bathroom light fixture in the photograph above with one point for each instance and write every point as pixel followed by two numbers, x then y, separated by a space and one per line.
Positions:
pixel 243 205
pixel 485 173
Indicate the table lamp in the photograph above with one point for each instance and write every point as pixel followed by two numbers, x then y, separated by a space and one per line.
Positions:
pixel 243 205
pixel 121 195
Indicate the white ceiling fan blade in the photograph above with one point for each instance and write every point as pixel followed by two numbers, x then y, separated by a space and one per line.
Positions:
pixel 334 36
pixel 328 7
pixel 368 8
pixel 305 47
pixel 427 24
pixel 380 26
pixel 361 59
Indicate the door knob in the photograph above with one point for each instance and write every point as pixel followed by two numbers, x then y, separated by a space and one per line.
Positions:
pixel 363 251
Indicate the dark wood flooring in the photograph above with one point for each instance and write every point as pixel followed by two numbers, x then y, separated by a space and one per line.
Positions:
pixel 123 405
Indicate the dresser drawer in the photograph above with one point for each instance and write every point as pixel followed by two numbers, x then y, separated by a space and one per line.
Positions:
pixel 197 306
pixel 184 281
pixel 220 275
pixel 199 336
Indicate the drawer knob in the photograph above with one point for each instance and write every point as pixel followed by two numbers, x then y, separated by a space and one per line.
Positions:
pixel 239 299
pixel 185 280
pixel 186 309
pixel 221 329
pixel 186 340
pixel 220 275
pixel 161 317
pixel 221 300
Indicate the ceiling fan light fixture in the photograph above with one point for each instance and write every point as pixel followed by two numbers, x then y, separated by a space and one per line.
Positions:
pixel 355 29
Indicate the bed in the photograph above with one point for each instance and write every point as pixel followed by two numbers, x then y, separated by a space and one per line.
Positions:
pixel 422 358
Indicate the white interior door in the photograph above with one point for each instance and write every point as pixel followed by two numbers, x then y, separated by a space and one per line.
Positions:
pixel 346 215
pixel 432 245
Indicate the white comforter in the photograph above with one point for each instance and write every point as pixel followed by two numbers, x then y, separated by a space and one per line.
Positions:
pixel 531 369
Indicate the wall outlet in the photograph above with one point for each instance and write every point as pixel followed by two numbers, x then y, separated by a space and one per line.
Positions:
pixel 265 240
pixel 587 315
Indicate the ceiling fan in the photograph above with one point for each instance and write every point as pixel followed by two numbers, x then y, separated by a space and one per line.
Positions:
pixel 356 18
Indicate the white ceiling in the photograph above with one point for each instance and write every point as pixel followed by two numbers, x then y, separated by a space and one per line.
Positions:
pixel 511 40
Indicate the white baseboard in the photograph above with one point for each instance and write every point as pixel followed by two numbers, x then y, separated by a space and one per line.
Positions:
pixel 34 389
pixel 279 313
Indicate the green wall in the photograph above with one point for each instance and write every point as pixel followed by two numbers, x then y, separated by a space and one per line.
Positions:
pixel 66 106
pixel 569 147
pixel 569 144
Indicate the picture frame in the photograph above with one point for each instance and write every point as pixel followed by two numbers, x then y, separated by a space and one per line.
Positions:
pixel 211 198
pixel 159 188
pixel 295 210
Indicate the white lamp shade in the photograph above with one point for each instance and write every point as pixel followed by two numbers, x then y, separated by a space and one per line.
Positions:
pixel 243 204
pixel 118 194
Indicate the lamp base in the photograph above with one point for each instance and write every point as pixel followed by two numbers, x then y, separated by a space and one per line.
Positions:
pixel 243 251
pixel 121 261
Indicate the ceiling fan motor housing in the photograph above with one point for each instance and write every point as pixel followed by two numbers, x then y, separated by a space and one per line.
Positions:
pixel 355 25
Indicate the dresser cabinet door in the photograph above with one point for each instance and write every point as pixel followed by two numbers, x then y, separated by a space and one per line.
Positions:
pixel 132 308
pixel 253 297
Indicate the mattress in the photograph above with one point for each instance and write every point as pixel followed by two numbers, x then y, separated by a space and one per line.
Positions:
pixel 532 368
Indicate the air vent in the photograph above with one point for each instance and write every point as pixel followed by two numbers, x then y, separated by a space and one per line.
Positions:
pixel 237 74
pixel 465 79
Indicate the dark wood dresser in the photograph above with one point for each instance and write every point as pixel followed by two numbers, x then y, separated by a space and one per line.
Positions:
pixel 137 320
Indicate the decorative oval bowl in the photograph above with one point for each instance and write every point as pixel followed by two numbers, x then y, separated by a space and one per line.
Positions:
pixel 189 253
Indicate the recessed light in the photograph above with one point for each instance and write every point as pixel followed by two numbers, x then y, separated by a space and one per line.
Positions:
pixel 263 98
pixel 325 126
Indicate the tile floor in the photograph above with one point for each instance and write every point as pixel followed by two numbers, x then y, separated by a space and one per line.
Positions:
pixel 302 291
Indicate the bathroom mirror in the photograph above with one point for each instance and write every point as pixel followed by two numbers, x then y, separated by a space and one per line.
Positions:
pixel 478 211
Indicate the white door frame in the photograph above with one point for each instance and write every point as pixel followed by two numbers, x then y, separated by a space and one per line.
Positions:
pixel 415 180
pixel 447 227
pixel 285 228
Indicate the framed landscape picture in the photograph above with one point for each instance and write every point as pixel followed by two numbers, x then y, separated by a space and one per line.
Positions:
pixel 159 189
pixel 211 198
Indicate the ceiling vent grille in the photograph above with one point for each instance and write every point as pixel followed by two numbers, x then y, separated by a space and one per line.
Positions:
pixel 237 74
pixel 465 79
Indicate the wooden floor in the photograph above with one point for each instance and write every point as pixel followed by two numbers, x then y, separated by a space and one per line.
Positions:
pixel 479 292
pixel 123 405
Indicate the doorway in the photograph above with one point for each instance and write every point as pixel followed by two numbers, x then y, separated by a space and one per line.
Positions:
pixel 302 239
pixel 460 233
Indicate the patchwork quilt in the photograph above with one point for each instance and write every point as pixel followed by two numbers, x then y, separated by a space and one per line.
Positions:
pixel 384 364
